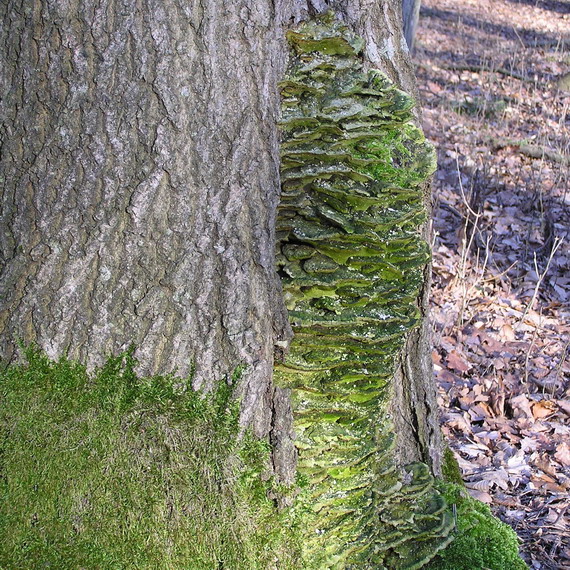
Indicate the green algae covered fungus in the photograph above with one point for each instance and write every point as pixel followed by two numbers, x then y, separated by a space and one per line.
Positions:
pixel 351 260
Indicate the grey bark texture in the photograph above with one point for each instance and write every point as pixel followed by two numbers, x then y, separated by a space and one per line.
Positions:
pixel 410 18
pixel 139 176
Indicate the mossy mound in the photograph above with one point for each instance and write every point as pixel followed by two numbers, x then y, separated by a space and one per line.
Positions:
pixel 481 541
pixel 110 471
pixel 450 470
pixel 351 260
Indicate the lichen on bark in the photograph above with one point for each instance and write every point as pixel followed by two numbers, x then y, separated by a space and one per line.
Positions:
pixel 351 260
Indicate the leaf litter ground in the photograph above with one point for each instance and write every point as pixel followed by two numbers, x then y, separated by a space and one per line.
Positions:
pixel 491 78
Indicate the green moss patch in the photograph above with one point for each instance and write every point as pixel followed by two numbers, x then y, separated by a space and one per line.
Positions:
pixel 450 470
pixel 481 541
pixel 112 471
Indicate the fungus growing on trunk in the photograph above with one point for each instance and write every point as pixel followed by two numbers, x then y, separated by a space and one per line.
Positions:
pixel 351 259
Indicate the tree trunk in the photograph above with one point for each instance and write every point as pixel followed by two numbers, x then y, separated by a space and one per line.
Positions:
pixel 411 15
pixel 140 182
pixel 140 185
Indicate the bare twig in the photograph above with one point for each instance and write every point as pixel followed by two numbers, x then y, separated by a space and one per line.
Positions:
pixel 497 276
pixel 466 245
pixel 478 68
pixel 557 243
pixel 562 360
pixel 533 150
pixel 527 358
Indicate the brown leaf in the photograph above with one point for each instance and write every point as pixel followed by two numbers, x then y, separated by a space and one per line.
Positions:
pixel 477 450
pixel 433 87
pixel 445 375
pixel 533 318
pixel 508 501
pixel 563 454
pixel 543 463
pixel 498 403
pixel 497 477
pixel 481 485
pixel 500 363
pixel 466 466
pixel 521 406
pixel 529 444
pixel 472 340
pixel 543 409
pixel 457 362
pixel 507 333
pixel 490 345
pixel 481 496
pixel 547 483
pixel 436 357
pixel 458 421
pixel 481 411
pixel 564 406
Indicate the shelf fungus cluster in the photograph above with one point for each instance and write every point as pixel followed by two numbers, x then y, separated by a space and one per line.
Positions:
pixel 351 261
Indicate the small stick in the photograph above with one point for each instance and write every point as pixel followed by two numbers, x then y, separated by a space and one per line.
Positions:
pixel 562 360
pixel 478 68
pixel 529 352
pixel 557 243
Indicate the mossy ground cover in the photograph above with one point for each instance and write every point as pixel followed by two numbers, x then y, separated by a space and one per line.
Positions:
pixel 481 541
pixel 112 471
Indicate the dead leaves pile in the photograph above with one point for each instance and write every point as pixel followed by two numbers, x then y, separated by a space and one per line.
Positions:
pixel 487 70
pixel 510 434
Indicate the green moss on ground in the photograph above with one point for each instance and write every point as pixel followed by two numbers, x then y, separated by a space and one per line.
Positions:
pixel 450 470
pixel 482 542
pixel 112 471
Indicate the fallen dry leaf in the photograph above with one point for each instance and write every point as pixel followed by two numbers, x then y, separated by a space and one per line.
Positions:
pixel 457 362
pixel 529 444
pixel 480 485
pixel 481 496
pixel 563 454
pixel 521 406
pixel 543 409
pixel 507 333
pixel 543 463
pixel 564 405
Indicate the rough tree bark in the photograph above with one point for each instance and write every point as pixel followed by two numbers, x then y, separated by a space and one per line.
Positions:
pixel 140 181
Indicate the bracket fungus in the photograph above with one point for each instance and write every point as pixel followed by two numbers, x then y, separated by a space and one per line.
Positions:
pixel 351 259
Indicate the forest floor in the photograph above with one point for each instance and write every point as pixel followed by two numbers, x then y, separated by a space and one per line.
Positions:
pixel 495 106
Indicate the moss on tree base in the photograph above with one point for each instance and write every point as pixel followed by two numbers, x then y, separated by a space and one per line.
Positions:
pixel 480 540
pixel 450 470
pixel 111 471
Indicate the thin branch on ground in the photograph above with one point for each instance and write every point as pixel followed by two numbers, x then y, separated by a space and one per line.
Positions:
pixel 557 243
pixel 532 150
